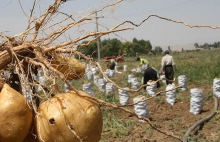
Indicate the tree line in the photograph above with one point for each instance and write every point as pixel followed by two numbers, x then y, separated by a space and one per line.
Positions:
pixel 114 47
pixel 208 46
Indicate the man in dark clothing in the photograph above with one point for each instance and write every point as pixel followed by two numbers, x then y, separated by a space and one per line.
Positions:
pixel 150 74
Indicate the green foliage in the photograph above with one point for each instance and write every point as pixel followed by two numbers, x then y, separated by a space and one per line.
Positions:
pixel 113 47
pixel 196 45
pixel 200 67
pixel 208 46
pixel 114 126
pixel 142 46
pixel 158 49
pixel 110 47
pixel 91 49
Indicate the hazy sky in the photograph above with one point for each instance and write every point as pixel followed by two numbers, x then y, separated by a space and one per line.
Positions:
pixel 160 32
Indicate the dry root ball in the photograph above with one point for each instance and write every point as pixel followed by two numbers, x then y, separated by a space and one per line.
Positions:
pixel 16 115
pixel 70 67
pixel 68 117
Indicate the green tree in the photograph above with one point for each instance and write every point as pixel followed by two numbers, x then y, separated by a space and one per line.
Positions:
pixel 110 47
pixel 206 46
pixel 135 40
pixel 215 45
pixel 123 49
pixel 129 47
pixel 148 46
pixel 158 49
pixel 91 49
pixel 196 45
pixel 142 46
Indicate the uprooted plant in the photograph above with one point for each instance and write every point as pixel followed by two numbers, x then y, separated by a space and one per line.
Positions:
pixel 37 48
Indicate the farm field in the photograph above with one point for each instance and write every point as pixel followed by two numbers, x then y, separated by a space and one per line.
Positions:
pixel 54 90
pixel 200 68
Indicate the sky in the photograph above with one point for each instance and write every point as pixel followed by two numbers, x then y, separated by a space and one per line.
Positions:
pixel 159 32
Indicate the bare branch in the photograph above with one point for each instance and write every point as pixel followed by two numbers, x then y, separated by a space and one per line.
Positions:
pixel 167 19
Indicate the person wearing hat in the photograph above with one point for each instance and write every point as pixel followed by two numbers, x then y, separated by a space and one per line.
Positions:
pixel 168 65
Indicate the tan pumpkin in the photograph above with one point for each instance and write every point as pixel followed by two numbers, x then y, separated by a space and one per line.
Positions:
pixel 68 117
pixel 70 67
pixel 16 115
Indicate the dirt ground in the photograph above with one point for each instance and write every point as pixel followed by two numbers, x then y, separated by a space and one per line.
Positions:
pixel 174 120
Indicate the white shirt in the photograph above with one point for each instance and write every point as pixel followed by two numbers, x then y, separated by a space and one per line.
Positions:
pixel 167 60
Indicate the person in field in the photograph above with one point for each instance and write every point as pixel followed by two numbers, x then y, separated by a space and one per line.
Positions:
pixel 168 66
pixel 150 74
pixel 111 65
pixel 143 63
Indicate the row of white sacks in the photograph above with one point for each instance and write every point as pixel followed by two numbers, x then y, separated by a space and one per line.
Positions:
pixel 140 107
pixel 91 71
pixel 152 86
pixel 151 89
pixel 182 80
pixel 109 89
pixel 94 69
pixel 103 86
pixel 196 101
pixel 137 70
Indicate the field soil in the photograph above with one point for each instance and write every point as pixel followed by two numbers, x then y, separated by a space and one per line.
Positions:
pixel 172 119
